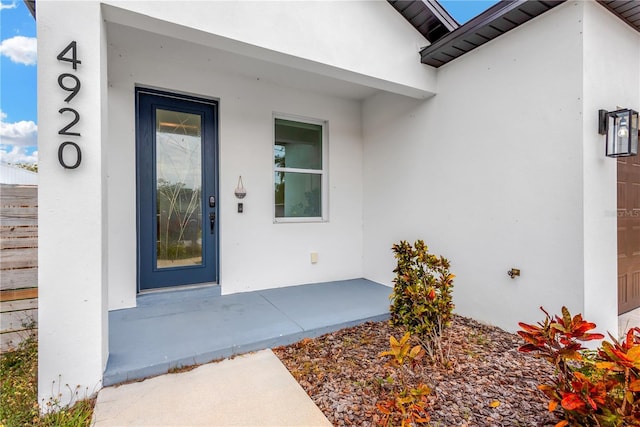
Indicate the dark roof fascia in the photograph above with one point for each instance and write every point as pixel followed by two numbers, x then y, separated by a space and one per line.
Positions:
pixel 484 21
pixel 31 5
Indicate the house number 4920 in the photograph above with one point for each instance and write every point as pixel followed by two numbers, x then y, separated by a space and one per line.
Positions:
pixel 70 83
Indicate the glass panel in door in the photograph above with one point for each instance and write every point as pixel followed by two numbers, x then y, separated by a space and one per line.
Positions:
pixel 178 189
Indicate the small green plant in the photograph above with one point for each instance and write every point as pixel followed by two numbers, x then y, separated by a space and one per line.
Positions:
pixel 421 300
pixel 477 337
pixel 18 397
pixel 405 406
pixel 18 393
pixel 591 388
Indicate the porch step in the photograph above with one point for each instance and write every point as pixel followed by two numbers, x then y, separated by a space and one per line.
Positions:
pixel 176 329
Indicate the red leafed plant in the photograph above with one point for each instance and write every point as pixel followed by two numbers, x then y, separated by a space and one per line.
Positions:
pixel 556 339
pixel 590 389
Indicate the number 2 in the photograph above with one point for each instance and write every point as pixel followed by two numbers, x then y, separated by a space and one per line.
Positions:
pixel 74 55
pixel 65 130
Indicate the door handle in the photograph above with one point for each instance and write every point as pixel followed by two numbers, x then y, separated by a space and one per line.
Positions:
pixel 212 221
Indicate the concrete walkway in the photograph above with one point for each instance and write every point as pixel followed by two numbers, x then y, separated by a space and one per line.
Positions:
pixel 250 390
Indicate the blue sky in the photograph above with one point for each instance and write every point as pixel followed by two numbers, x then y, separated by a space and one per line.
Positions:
pixel 463 10
pixel 18 112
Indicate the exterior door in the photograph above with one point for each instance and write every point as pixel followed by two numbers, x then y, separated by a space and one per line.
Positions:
pixel 176 151
pixel 628 233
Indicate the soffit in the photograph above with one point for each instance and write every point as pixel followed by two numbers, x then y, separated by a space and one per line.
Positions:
pixel 148 47
pixel 427 16
pixel 627 10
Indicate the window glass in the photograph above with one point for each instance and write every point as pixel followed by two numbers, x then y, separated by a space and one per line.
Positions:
pixel 298 169
pixel 298 195
pixel 298 145
pixel 178 187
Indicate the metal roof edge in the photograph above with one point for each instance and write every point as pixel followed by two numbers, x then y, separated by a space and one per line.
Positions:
pixel 31 5
pixel 428 17
pixel 441 14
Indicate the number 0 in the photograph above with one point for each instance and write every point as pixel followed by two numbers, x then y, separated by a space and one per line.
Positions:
pixel 74 55
pixel 61 155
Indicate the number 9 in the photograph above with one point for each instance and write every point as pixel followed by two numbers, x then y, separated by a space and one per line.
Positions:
pixel 73 89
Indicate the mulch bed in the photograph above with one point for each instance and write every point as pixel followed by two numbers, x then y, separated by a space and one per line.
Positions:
pixel 489 383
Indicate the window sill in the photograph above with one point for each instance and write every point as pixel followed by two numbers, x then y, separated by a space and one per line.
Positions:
pixel 297 220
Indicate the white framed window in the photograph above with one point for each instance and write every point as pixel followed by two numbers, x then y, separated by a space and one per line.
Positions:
pixel 300 169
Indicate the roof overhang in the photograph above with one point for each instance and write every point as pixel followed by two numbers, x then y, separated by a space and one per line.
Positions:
pixel 31 5
pixel 449 40
pixel 627 10
pixel 495 21
pixel 427 16
pixel 503 17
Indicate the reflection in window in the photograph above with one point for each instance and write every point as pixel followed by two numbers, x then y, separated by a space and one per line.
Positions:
pixel 299 169
pixel 178 189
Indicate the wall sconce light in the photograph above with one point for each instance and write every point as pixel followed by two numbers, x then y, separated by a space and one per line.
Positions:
pixel 240 192
pixel 621 128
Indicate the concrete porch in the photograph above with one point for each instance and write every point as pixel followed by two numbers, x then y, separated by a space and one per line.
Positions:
pixel 180 328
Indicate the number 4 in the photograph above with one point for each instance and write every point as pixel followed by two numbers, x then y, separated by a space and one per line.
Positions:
pixel 74 55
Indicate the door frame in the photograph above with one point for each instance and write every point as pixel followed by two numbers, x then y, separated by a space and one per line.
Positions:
pixel 140 163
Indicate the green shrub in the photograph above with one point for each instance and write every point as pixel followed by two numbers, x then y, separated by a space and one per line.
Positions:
pixel 421 299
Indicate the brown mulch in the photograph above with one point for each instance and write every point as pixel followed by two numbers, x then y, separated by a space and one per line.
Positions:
pixel 489 383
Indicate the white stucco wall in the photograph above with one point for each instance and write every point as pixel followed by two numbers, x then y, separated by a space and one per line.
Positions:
pixel 255 253
pixel 72 252
pixel 489 173
pixel 341 39
pixel 611 70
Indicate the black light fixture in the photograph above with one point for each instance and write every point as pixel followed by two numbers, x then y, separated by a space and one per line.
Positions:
pixel 621 128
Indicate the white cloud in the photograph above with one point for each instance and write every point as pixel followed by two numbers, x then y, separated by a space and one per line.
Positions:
pixel 20 49
pixel 16 155
pixel 22 134
pixel 11 5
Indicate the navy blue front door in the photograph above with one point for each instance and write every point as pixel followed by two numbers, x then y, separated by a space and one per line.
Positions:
pixel 178 223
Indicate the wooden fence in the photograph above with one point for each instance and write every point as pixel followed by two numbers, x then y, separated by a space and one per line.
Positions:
pixel 18 263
